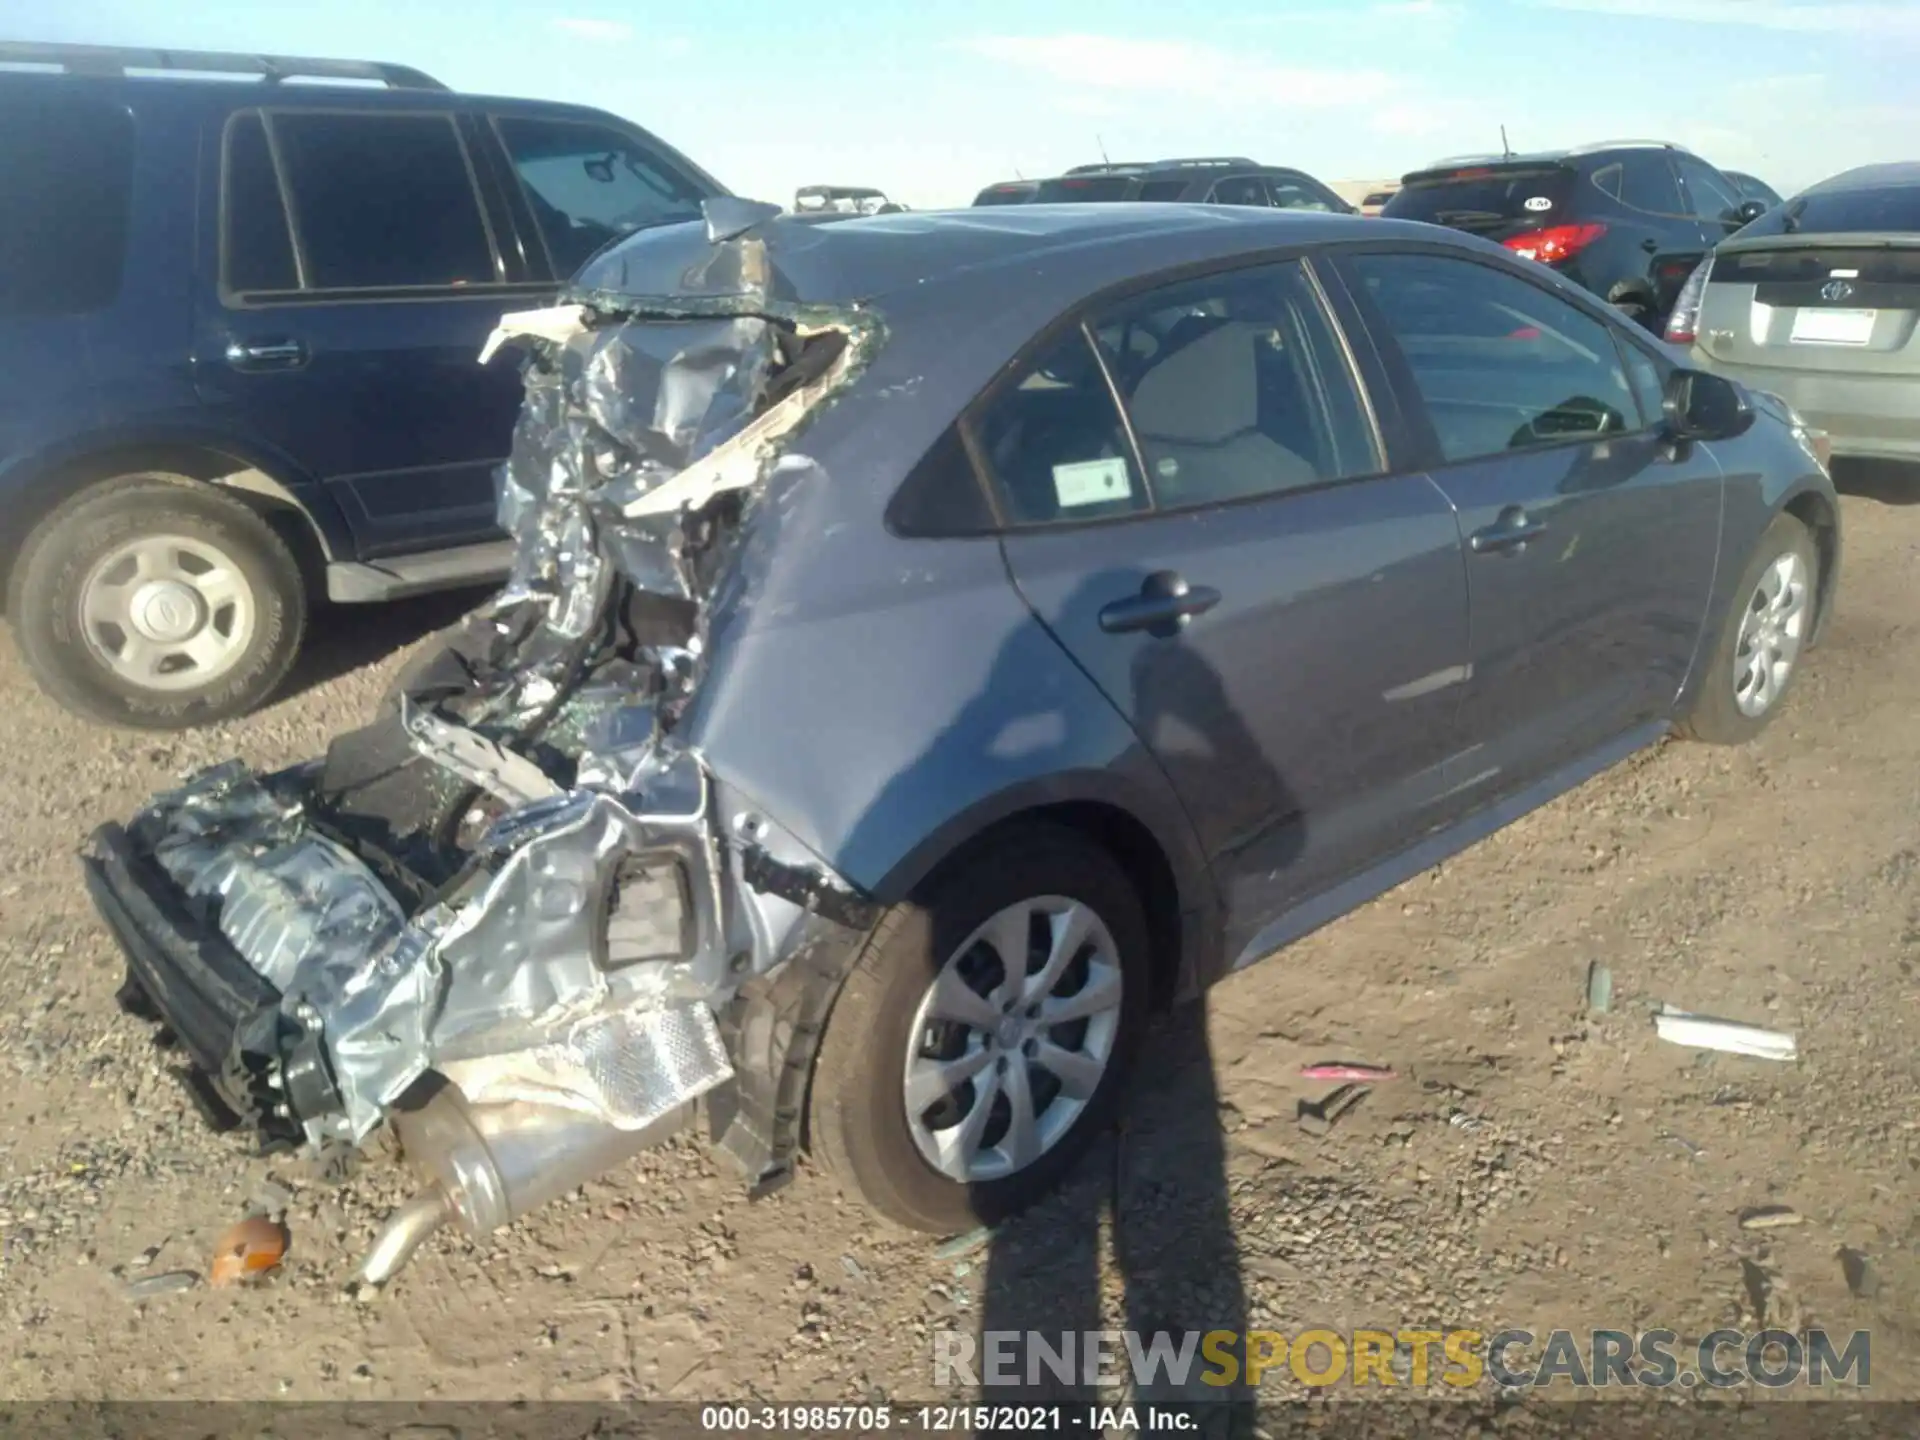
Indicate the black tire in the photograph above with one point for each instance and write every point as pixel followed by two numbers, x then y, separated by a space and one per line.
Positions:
pixel 48 578
pixel 858 1119
pixel 1716 717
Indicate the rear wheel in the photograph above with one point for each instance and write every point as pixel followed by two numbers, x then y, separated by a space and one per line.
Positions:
pixel 1762 639
pixel 982 1040
pixel 153 601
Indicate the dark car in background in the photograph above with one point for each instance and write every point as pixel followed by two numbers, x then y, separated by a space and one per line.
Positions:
pixel 1818 301
pixel 1007 192
pixel 240 320
pixel 1626 220
pixel 1227 181
pixel 1239 566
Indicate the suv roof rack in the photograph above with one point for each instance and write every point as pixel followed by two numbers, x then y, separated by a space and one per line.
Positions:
pixel 1106 167
pixel 1600 145
pixel 1201 161
pixel 272 69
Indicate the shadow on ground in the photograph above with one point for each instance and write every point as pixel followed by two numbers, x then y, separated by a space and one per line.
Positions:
pixel 344 638
pixel 1152 1196
pixel 1888 481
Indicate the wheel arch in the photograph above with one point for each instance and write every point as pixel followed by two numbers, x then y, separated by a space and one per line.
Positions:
pixel 312 529
pixel 1815 510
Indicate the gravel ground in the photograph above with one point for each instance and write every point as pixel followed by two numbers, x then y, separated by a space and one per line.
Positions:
pixel 1534 1166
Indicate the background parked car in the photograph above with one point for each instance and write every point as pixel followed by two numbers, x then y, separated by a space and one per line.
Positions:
pixel 1818 300
pixel 1628 221
pixel 843 200
pixel 1007 192
pixel 1753 189
pixel 239 324
pixel 1230 181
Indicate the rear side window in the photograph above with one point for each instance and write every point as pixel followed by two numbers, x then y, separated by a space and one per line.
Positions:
pixel 1500 364
pixel 1642 182
pixel 1081 189
pixel 66 179
pixel 1162 191
pixel 382 201
pixel 1482 196
pixel 256 246
pixel 1235 386
pixel 589 185
pixel 1241 190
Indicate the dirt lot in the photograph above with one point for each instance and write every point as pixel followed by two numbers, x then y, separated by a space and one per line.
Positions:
pixel 1595 1180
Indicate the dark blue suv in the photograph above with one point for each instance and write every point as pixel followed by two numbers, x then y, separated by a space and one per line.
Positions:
pixel 239 325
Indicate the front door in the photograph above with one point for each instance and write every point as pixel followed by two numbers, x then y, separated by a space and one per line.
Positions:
pixel 358 278
pixel 1284 625
pixel 1590 540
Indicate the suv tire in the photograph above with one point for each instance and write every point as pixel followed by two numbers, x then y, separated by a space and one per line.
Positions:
pixel 1772 615
pixel 859 1108
pixel 138 585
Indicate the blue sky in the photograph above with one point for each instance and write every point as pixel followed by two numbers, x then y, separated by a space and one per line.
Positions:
pixel 933 101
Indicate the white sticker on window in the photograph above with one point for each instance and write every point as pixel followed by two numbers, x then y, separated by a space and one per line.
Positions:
pixel 1091 482
pixel 1539 202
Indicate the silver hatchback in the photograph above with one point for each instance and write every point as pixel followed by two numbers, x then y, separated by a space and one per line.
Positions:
pixel 1818 301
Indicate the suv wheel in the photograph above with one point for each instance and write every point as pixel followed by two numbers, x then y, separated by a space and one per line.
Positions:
pixel 982 1040
pixel 153 601
pixel 1762 638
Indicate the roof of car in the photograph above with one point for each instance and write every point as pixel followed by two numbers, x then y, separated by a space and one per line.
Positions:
pixel 840 260
pixel 1870 177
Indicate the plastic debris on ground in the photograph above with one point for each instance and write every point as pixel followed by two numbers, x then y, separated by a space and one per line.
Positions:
pixel 1704 1032
pixel 167 1282
pixel 965 1244
pixel 1768 1217
pixel 247 1250
pixel 1599 988
pixel 1367 1074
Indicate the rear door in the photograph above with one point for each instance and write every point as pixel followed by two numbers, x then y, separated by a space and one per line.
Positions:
pixel 1591 543
pixel 1231 559
pixel 358 274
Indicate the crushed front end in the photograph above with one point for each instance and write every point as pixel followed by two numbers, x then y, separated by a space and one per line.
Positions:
pixel 516 919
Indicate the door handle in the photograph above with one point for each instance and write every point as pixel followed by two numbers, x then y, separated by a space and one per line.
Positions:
pixel 1162 608
pixel 1509 533
pixel 266 354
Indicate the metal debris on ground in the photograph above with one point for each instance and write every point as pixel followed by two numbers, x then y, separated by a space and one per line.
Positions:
pixel 1599 988
pixel 1768 1217
pixel 1696 1151
pixel 852 1267
pixel 247 1250
pixel 167 1282
pixel 1368 1074
pixel 1704 1032
pixel 1461 1120
pixel 965 1244
pixel 1319 1118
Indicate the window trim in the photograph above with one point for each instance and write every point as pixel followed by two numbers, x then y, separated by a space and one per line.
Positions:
pixel 633 135
pixel 1413 404
pixel 1079 317
pixel 309 294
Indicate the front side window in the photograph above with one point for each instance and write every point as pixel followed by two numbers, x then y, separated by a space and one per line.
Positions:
pixel 1709 194
pixel 1643 182
pixel 382 201
pixel 66 180
pixel 589 185
pixel 1500 363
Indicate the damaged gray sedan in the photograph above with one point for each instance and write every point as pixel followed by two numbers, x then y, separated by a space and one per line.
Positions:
pixel 935 641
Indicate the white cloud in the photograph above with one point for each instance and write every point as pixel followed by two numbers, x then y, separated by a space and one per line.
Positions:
pixel 589 29
pixel 1877 18
pixel 1179 67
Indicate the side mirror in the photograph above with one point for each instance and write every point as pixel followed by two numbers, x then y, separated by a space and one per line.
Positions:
pixel 1750 211
pixel 1703 406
